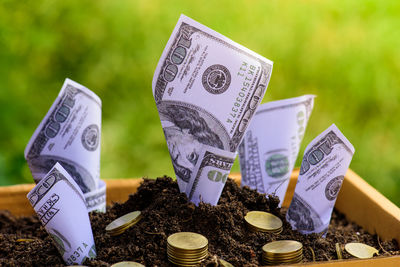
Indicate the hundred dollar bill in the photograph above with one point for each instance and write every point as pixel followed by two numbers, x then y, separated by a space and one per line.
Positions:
pixel 61 208
pixel 206 88
pixel 210 175
pixel 70 135
pixel 271 145
pixel 322 171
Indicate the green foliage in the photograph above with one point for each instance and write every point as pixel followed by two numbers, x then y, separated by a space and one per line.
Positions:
pixel 345 52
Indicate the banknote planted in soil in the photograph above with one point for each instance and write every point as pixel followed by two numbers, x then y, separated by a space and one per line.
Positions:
pixel 164 210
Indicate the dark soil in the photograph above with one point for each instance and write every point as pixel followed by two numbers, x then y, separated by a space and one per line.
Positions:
pixel 166 211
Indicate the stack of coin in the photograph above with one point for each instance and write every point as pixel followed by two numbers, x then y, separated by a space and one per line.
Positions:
pixel 119 225
pixel 186 248
pixel 283 251
pixel 261 221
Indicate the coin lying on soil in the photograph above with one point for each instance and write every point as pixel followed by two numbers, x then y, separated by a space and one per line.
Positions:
pixel 261 221
pixel 360 250
pixel 121 224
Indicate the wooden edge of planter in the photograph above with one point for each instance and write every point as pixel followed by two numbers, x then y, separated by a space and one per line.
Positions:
pixel 359 201
pixel 392 261
pixel 369 208
pixel 13 198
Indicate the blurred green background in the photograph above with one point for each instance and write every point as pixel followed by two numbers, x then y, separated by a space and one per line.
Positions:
pixel 346 52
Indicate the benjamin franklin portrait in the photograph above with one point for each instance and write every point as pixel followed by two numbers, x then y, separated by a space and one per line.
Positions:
pixel 186 131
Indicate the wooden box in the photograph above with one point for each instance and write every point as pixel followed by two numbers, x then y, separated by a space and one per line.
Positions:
pixel 360 202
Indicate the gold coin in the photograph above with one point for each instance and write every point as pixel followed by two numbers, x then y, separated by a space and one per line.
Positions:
pixel 187 257
pixel 186 261
pixel 122 222
pixel 25 240
pixel 254 229
pixel 186 252
pixel 283 256
pixel 360 250
pixel 186 248
pixel 225 263
pixel 282 247
pixel 277 231
pixel 338 251
pixel 274 253
pixel 263 221
pixel 292 260
pixel 187 241
pixel 127 264
pixel 120 230
pixel 115 233
pixel 296 259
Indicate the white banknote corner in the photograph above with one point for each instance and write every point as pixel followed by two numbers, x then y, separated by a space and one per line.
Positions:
pixel 325 163
pixel 61 208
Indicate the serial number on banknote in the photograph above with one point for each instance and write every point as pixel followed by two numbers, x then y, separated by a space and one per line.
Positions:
pixel 75 255
pixel 247 72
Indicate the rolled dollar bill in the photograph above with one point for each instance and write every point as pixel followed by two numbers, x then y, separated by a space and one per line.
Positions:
pixel 206 89
pixel 271 145
pixel 70 135
pixel 322 171
pixel 61 208
pixel 211 174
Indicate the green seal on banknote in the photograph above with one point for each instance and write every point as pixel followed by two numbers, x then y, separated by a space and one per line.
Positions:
pixel 277 165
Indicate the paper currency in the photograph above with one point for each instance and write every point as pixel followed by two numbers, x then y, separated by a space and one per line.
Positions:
pixel 61 208
pixel 70 134
pixel 322 171
pixel 271 145
pixel 210 174
pixel 207 89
